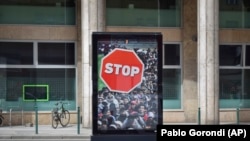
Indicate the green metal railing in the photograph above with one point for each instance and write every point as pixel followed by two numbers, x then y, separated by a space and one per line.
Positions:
pixel 78 120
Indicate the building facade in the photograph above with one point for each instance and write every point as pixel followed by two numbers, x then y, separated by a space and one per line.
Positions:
pixel 46 46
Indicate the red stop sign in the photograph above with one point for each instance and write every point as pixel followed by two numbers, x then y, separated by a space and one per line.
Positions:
pixel 121 70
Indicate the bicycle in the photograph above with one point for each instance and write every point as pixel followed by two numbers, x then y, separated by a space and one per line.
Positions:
pixel 60 115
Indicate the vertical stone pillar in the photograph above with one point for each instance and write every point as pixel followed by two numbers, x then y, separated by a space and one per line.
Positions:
pixel 101 15
pixel 92 20
pixel 86 70
pixel 208 69
pixel 97 15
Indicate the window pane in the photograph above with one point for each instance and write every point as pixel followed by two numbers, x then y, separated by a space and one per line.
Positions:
pixel 16 53
pixel 230 14
pixel 56 12
pixel 61 83
pixel 153 13
pixel 230 55
pixel 247 55
pixel 246 10
pixel 234 13
pixel 56 53
pixel 230 83
pixel 247 84
pixel 171 88
pixel 171 54
pixel 245 102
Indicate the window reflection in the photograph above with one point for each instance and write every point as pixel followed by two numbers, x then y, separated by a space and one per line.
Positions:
pixel 234 77
pixel 247 55
pixel 234 13
pixel 42 12
pixel 246 94
pixel 230 55
pixel 16 53
pixel 230 84
pixel 172 54
pixel 172 76
pixel 151 13
pixel 56 53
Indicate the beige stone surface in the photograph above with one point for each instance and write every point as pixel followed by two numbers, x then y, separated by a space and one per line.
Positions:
pixel 173 117
pixel 26 32
pixel 234 36
pixel 169 34
pixel 44 118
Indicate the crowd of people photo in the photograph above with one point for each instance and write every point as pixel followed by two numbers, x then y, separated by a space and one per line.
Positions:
pixel 138 109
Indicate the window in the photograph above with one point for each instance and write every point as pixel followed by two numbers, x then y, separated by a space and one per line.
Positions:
pixel 50 64
pixel 56 53
pixel 16 53
pixel 172 76
pixel 232 2
pixel 234 13
pixel 151 13
pixel 234 77
pixel 49 12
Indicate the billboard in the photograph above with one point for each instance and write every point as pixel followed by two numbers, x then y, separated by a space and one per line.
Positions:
pixel 127 82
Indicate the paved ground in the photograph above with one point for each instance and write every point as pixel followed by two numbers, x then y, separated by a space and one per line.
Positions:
pixel 47 132
pixel 44 132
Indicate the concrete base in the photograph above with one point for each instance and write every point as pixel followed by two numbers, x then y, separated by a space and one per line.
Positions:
pixel 123 138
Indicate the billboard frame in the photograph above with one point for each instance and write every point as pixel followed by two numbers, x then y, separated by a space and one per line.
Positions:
pixel 137 36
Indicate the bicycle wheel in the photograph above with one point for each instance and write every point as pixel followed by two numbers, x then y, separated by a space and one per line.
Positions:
pixel 64 118
pixel 55 121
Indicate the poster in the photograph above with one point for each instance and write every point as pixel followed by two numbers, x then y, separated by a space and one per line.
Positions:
pixel 127 85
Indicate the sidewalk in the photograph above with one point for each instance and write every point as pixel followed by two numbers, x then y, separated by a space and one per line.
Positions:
pixel 45 132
